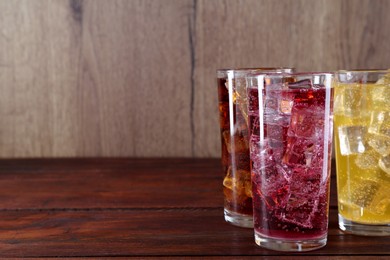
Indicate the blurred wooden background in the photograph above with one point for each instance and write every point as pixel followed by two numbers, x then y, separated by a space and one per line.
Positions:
pixel 137 77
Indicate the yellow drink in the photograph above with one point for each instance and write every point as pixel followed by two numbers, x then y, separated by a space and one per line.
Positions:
pixel 362 140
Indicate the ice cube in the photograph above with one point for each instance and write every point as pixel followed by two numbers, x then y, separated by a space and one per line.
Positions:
pixel 275 129
pixel 240 124
pixel 381 200
pixel 277 132
pixel 367 160
pixel 359 192
pixel 371 195
pixel 248 189
pixel 306 122
pixel 277 120
pixel 338 102
pixel 240 87
pixel 303 152
pixel 304 193
pixel 384 164
pixel 223 115
pixel 295 152
pixel 302 84
pixel 238 181
pixel 307 114
pixel 380 123
pixel 379 143
pixel 380 203
pixel 351 139
pixel 240 97
pixel 301 218
pixel 270 105
pixel 260 152
pixel 228 180
pixel 354 100
pixel 271 184
pixel 264 153
pixel 303 187
pixel 380 96
pixel 235 143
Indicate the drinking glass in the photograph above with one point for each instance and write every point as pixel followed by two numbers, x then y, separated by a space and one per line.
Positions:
pixel 290 131
pixel 362 141
pixel 234 138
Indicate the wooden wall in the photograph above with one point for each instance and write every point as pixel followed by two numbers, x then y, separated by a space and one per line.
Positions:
pixel 137 77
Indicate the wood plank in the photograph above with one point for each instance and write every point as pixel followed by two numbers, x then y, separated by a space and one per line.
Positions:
pixel 39 64
pixel 136 78
pixel 181 232
pixel 95 78
pixel 114 183
pixel 110 183
pixel 362 41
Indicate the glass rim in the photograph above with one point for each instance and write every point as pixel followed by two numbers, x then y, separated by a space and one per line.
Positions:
pixel 362 71
pixel 254 68
pixel 245 71
pixel 293 74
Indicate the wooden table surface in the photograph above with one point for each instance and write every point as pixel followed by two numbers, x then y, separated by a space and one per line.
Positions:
pixel 136 207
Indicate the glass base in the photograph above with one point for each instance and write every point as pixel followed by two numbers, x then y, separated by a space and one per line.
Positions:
pixel 355 228
pixel 289 245
pixel 245 221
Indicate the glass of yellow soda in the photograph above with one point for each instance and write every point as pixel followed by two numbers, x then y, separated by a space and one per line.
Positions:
pixel 362 142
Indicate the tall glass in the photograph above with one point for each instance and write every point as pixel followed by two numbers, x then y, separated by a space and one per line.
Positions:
pixel 290 125
pixel 362 131
pixel 235 150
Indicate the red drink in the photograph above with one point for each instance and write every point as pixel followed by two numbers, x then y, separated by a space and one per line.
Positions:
pixel 290 143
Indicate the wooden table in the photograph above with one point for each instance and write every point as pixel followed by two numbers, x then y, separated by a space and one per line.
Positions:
pixel 136 207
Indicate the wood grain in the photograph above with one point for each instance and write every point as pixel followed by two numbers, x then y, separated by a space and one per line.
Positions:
pixel 114 183
pixel 137 77
pixel 184 232
pixel 94 78
pixel 136 208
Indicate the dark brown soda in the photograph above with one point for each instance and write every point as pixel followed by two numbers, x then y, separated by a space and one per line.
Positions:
pixel 235 154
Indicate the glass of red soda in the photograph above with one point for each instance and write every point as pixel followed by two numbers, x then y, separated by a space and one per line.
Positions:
pixel 290 118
